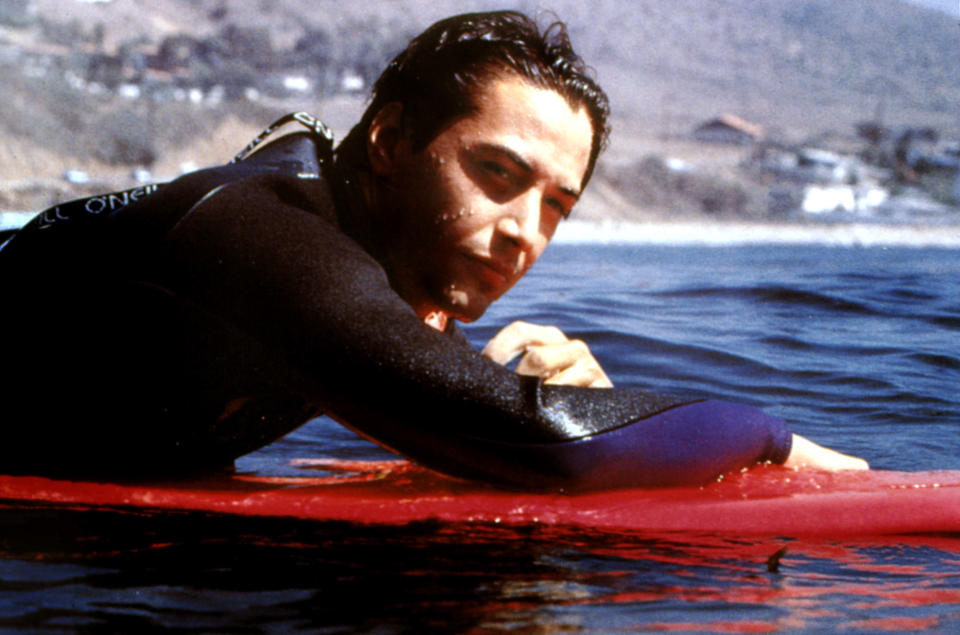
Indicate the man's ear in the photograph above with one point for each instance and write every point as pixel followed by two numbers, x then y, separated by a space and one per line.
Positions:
pixel 385 139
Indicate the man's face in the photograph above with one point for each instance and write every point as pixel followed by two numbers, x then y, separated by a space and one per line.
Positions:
pixel 475 209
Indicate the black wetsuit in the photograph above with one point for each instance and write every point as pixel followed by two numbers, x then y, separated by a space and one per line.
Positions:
pixel 214 316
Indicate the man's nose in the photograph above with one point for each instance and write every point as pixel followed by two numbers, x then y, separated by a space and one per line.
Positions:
pixel 520 223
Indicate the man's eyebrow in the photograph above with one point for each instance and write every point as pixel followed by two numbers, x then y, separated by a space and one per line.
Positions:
pixel 521 163
pixel 524 165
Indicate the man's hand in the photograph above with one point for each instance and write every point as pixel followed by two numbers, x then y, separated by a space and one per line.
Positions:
pixel 806 453
pixel 548 354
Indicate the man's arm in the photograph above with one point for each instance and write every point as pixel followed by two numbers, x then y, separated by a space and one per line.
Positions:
pixel 550 355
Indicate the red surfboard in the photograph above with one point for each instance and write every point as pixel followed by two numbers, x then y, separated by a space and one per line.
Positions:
pixel 767 500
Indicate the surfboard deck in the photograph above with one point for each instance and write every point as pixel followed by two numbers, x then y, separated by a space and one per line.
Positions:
pixel 766 500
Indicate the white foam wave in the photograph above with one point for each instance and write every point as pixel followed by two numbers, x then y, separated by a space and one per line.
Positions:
pixel 14 220
pixel 721 234
pixel 732 234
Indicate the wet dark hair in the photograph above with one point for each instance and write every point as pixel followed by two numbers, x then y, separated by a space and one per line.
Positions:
pixel 437 75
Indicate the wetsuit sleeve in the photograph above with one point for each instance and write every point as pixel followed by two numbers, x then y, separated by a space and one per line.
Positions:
pixel 255 254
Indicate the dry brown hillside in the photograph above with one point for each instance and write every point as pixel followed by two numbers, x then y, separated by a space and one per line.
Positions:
pixel 798 67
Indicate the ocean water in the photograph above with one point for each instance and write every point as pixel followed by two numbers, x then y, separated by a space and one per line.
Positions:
pixel 858 347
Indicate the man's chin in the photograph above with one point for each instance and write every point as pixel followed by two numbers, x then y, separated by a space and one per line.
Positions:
pixel 466 306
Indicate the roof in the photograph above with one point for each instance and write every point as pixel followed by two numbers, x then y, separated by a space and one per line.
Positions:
pixel 735 123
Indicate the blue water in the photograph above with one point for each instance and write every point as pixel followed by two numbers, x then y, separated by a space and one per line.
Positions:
pixel 858 348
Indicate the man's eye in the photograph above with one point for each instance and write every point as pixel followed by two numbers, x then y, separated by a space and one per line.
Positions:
pixel 557 206
pixel 496 169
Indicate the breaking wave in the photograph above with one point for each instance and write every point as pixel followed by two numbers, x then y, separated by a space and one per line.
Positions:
pixel 758 233
pixel 711 233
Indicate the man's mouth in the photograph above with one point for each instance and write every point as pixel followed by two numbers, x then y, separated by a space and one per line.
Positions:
pixel 492 270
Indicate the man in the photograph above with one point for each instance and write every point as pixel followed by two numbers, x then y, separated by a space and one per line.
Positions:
pixel 210 318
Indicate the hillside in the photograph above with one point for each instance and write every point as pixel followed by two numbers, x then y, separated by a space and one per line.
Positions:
pixel 804 65
pixel 800 63
pixel 800 68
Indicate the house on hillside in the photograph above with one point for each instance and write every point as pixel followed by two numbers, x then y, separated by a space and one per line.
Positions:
pixel 730 129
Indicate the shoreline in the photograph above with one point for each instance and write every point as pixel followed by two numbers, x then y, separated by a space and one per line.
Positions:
pixel 740 233
pixel 721 234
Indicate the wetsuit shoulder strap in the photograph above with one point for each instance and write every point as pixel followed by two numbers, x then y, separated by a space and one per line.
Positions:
pixel 318 130
pixel 100 205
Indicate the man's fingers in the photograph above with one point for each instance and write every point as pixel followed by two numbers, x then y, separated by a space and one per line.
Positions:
pixel 518 337
pixel 806 453
pixel 546 361
pixel 568 363
pixel 548 354
pixel 583 373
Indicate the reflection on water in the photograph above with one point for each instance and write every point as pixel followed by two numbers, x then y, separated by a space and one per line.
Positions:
pixel 137 571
